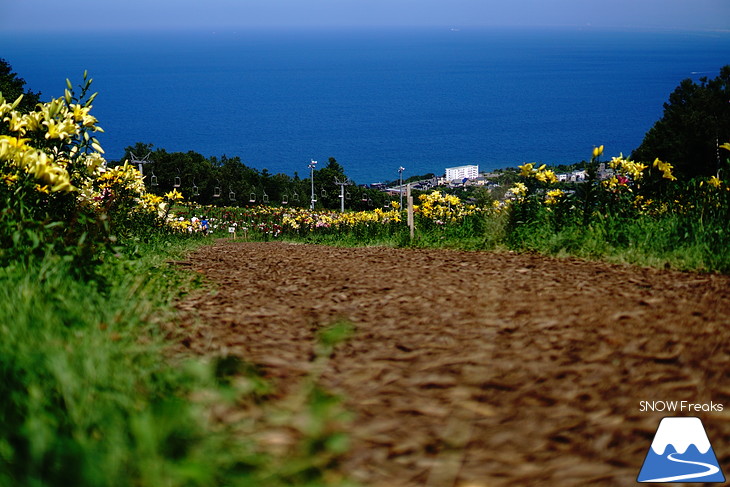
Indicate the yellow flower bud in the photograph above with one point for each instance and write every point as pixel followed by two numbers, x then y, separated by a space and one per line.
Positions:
pixel 16 102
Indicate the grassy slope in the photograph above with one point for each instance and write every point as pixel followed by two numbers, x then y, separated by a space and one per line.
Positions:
pixel 80 365
pixel 90 399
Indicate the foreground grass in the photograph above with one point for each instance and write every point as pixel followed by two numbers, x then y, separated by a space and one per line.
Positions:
pixel 90 399
pixel 81 372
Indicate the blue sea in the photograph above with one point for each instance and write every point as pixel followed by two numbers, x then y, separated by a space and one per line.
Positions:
pixel 425 99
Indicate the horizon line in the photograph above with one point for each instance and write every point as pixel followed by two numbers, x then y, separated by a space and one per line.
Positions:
pixel 214 29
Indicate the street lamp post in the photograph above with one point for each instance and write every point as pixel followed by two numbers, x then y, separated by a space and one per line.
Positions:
pixel 400 187
pixel 312 165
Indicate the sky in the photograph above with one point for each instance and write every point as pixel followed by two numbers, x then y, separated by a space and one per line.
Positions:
pixel 128 15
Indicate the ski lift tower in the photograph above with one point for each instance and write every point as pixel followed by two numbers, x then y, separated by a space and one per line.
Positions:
pixel 140 162
pixel 311 166
pixel 342 185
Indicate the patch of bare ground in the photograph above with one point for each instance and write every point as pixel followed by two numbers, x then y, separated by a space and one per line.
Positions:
pixel 472 368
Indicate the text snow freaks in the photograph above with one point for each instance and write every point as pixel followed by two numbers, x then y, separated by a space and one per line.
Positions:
pixel 678 406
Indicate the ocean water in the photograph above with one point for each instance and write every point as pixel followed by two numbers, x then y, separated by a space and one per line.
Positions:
pixel 425 99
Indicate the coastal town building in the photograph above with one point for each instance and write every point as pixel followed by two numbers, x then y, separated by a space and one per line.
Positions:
pixel 462 172
pixel 573 177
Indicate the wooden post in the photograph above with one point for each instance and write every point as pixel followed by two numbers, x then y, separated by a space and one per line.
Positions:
pixel 409 200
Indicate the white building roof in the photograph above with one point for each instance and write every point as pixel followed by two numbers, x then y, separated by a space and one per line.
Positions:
pixel 464 166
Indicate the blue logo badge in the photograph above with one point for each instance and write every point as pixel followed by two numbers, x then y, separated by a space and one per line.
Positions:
pixel 680 452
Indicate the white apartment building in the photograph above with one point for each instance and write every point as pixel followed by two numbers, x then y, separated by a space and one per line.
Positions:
pixel 461 172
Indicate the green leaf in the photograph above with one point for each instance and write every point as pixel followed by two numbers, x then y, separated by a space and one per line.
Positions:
pixel 52 225
pixel 336 333
pixel 338 443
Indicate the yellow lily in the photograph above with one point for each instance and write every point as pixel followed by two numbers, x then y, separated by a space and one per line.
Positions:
pixel 526 169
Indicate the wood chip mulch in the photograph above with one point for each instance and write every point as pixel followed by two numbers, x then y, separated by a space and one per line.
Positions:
pixel 471 368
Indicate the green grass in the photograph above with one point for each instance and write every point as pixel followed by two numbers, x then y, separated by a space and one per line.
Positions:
pixel 82 368
pixel 92 398
pixel 669 241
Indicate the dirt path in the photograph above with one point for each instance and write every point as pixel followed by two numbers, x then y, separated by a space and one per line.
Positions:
pixel 479 369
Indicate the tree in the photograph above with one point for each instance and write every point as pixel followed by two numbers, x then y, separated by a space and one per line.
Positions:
pixel 324 181
pixel 12 86
pixel 216 180
pixel 696 119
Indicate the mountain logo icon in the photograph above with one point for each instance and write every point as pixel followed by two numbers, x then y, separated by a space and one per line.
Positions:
pixel 680 452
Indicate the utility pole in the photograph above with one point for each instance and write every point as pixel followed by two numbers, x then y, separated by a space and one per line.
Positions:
pixel 400 187
pixel 312 165
pixel 411 222
pixel 342 185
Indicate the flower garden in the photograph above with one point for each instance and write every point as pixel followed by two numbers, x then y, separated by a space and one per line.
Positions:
pixel 638 213
pixel 61 197
pixel 434 210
